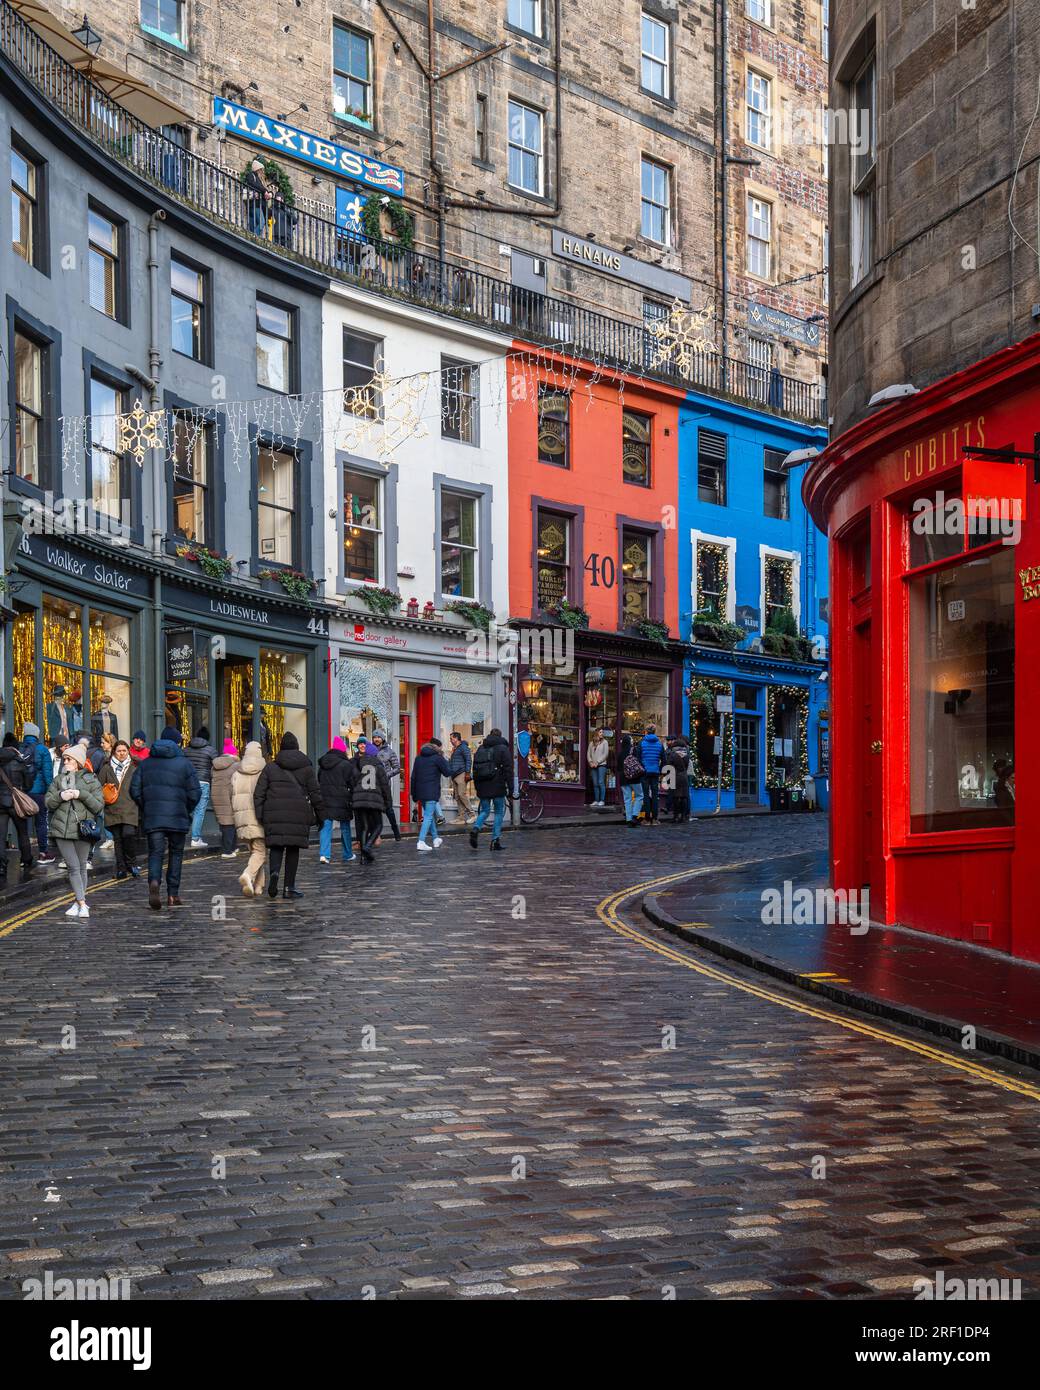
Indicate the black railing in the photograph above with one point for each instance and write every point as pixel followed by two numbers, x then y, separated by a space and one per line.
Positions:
pixel 220 195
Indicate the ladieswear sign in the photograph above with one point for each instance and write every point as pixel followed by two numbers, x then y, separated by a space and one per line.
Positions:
pixel 294 143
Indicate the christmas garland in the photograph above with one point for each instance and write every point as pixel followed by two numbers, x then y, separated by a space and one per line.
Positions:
pixel 275 174
pixel 702 707
pixel 402 224
pixel 777 776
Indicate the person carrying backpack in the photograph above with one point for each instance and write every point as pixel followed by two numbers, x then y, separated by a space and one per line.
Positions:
pixel 631 773
pixel 492 778
pixel 651 751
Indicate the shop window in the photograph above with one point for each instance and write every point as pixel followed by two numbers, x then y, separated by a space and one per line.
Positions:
pixel 636 577
pixel 554 559
pixel 109 469
pixel 366 697
pixel 274 346
pixel 362 359
pixel 31 398
pixel 554 426
pixel 707 741
pixel 276 506
pixel 774 485
pixel 283 698
pixel 745 697
pixel 27 207
pixel 188 309
pixel 466 705
pixel 779 588
pixel 787 748
pixel 86 653
pixel 460 400
pixel 460 570
pixel 636 440
pixel 929 539
pixel 552 717
pixel 105 254
pixel 351 74
pixel 711 467
pixel 601 704
pixel 362 526
pixel 190 482
pixel 644 700
pixel 962 694
pixel 712 578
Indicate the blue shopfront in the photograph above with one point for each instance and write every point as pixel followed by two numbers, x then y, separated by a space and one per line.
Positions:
pixel 753 605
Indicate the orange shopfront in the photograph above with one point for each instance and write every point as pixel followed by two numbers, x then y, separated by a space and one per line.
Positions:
pixel 934 534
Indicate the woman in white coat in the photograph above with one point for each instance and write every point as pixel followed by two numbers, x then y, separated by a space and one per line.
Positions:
pixel 243 785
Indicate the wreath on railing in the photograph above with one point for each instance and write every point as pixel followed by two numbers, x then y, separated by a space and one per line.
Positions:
pixel 275 174
pixel 474 613
pixel 402 223
pixel 295 583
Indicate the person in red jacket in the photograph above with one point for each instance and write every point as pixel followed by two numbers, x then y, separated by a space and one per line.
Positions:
pixel 139 747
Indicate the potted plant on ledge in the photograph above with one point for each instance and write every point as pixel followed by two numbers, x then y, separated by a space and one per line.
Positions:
pixel 212 564
pixel 710 627
pixel 471 612
pixel 295 584
pixel 379 600
pixel 569 614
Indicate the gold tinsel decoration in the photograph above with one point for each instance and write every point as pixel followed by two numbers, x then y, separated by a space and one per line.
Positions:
pixel 23 677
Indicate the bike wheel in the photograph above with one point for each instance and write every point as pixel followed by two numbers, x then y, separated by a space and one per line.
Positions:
pixel 532 804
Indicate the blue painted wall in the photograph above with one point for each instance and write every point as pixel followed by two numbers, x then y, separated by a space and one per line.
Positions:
pixel 749 433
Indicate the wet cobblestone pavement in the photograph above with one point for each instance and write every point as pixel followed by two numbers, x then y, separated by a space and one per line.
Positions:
pixel 443 1076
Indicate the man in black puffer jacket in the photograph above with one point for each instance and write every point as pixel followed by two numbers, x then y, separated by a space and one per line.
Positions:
pixel 15 771
pixel 335 782
pixel 428 768
pixel 492 777
pixel 166 789
pixel 287 802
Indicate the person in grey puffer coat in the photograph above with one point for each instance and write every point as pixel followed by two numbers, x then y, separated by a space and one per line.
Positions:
pixel 392 767
pixel 200 753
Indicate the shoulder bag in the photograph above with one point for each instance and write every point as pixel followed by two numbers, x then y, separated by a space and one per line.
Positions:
pixel 22 804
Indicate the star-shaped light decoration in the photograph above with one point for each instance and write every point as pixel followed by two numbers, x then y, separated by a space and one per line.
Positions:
pixel 385 409
pixel 676 338
pixel 139 431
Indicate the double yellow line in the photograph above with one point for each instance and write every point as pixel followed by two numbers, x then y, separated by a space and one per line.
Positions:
pixel 607 911
pixel 30 914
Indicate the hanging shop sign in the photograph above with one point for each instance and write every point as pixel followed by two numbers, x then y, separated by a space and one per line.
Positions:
pixel 293 143
pixel 348 210
pixel 182 655
pixel 595 257
pixel 77 564
pixel 764 319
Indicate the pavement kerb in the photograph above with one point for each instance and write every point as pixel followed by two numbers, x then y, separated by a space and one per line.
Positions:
pixel 910 1016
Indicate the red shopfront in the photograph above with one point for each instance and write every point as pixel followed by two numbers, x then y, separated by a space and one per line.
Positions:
pixel 935 675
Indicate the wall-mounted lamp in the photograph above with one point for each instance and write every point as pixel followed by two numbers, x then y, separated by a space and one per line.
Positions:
pixel 88 36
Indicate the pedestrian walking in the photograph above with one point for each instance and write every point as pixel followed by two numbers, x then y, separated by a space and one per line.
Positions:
pixel 166 789
pixel 139 746
pixel 392 766
pixel 14 778
pixel 492 776
pixel 73 799
pixel 336 783
pixel 428 768
pixel 201 754
pixel 371 798
pixel 651 751
pixel 630 774
pixel 596 756
pixel 677 771
pixel 121 811
pixel 460 762
pixel 37 758
pixel 243 785
pixel 222 771
pixel 288 803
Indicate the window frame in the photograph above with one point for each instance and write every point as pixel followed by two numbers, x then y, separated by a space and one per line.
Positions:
pixel 524 149
pixel 366 122
pixel 472 394
pixel 48 340
pixel 121 312
pixel 752 239
pixel 547 391
pixel 648 162
pixel 574 515
pixel 293 340
pixel 518 26
pixel 205 354
pixel 863 181
pixel 209 508
pixel 766 552
pixel 665 64
pixel 767 13
pixel 39 257
pixel 654 534
pixel 648 447
pixel 378 361
pixel 180 40
pixel 379 531
pixel 481 129
pixel 464 496
pixel 299 509
pixel 784 480
pixel 721 498
pixel 763 114
pixel 103 374
pixel 483 497
pixel 708 540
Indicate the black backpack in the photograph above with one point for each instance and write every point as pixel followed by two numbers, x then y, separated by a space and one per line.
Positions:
pixel 485 764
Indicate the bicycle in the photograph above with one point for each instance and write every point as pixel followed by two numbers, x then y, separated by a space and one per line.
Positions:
pixel 532 802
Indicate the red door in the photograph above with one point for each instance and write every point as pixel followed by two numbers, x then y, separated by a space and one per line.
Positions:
pixel 867 759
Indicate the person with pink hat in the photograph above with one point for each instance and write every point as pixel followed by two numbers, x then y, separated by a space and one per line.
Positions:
pixel 335 781
pixel 224 768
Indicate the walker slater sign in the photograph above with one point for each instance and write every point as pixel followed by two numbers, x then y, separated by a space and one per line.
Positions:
pixel 75 564
pixel 595 257
pixel 293 143
pixel 182 662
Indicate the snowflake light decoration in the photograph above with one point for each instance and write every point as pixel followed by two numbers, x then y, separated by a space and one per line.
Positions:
pixel 386 409
pixel 139 431
pixel 678 337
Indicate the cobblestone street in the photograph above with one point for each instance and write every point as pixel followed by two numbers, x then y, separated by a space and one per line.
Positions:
pixel 448 1075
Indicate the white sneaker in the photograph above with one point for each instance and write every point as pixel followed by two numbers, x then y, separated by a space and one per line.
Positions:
pixel 424 848
pixel 107 846
pixel 90 866
pixel 231 854
pixel 72 911
pixel 199 844
pixel 84 910
pixel 324 861
pixel 438 842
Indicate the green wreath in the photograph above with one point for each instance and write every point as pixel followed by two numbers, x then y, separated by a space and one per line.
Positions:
pixel 402 223
pixel 276 175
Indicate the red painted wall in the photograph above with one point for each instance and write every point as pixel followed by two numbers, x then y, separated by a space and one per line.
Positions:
pixel 593 480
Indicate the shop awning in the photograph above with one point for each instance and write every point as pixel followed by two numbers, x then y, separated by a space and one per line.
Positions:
pixel 131 93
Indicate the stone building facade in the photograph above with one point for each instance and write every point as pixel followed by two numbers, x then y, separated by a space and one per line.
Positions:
pixel 562 134
pixel 930 272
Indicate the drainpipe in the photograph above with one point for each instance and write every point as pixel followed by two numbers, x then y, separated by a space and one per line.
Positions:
pixel 435 167
pixel 154 368
pixel 723 200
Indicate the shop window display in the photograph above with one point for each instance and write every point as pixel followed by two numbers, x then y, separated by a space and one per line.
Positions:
pixel 962 695
pixel 465 705
pixel 366 697
pixel 553 721
pixel 283 697
pixel 23 674
pixel 87 655
pixel 705 724
pixel 787 734
pixel 644 700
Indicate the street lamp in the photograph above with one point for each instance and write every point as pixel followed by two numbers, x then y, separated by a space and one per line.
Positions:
pixel 531 687
pixel 88 37
pixel 797 456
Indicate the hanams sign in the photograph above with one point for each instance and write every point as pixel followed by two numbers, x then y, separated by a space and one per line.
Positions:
pixel 293 143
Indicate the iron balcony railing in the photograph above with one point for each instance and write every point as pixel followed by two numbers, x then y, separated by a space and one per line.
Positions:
pixel 220 195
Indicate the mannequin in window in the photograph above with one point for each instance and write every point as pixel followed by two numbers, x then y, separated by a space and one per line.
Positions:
pixel 62 719
pixel 103 720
